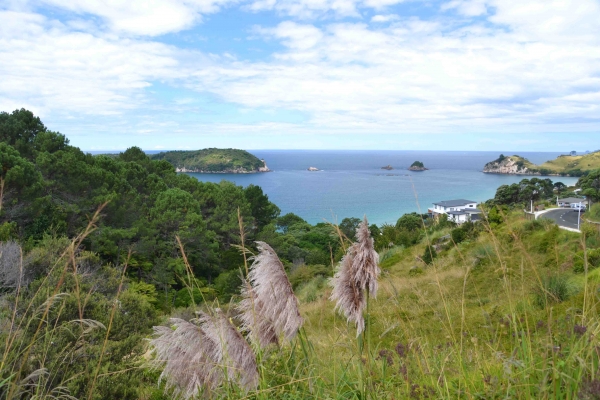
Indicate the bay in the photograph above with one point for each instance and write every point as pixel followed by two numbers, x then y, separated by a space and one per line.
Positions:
pixel 352 183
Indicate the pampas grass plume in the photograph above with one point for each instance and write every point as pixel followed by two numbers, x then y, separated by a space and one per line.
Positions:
pixel 195 357
pixel 269 307
pixel 357 273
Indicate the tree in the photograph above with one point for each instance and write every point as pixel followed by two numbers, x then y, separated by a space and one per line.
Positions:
pixel 559 187
pixel 590 185
pixel 263 211
pixel 507 194
pixel 19 130
pixel 288 220
pixel 348 227
pixel 410 222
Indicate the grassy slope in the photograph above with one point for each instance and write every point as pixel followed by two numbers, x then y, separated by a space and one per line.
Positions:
pixel 212 160
pixel 469 324
pixel 594 213
pixel 585 163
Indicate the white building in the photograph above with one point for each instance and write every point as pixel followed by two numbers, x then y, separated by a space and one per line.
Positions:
pixel 459 211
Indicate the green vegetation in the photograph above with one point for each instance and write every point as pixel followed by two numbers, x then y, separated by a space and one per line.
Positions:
pixel 593 213
pixel 212 160
pixel 524 192
pixel 418 164
pixel 563 165
pixel 590 185
pixel 572 165
pixel 95 251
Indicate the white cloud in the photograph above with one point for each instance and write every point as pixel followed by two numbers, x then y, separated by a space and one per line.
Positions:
pixel 469 8
pixel 532 67
pixel 294 35
pixel 420 76
pixel 308 9
pixel 144 17
pixel 385 18
pixel 49 67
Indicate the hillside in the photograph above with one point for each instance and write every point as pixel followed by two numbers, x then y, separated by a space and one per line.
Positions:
pixel 214 161
pixel 565 165
pixel 514 165
pixel 573 165
pixel 504 308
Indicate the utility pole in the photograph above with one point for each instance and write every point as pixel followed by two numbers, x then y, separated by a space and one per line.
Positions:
pixel 579 216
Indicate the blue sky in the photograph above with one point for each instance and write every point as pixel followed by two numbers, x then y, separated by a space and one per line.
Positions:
pixel 307 74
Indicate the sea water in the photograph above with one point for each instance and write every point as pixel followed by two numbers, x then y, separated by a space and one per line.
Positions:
pixel 352 183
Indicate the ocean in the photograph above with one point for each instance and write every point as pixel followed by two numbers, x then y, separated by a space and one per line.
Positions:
pixel 352 183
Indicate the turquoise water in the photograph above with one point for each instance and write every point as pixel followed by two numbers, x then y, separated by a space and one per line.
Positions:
pixel 352 183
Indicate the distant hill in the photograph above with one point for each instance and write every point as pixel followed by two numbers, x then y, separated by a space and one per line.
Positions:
pixel 214 161
pixel 565 165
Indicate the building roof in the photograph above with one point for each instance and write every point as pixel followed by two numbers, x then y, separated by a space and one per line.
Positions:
pixel 572 200
pixel 454 203
pixel 472 210
pixel 460 212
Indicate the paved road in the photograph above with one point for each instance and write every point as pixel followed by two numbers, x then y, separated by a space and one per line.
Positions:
pixel 563 217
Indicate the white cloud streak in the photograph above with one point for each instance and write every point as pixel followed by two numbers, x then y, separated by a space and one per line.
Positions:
pixel 529 67
pixel 144 17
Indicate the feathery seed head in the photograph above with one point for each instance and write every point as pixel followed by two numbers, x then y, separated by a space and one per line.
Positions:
pixel 194 357
pixel 261 331
pixel 270 307
pixel 184 354
pixel 230 350
pixel 358 271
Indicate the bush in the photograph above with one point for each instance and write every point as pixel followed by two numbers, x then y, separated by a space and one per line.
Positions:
pixel 554 289
pixel 594 212
pixel 429 255
pixel 593 259
pixel 305 273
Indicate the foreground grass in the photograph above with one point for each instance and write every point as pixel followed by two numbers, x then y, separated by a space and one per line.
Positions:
pixel 511 314
pixel 504 316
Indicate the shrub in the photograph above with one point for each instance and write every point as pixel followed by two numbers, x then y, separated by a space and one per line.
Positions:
pixel 593 259
pixel 305 273
pixel 594 212
pixel 429 255
pixel 554 289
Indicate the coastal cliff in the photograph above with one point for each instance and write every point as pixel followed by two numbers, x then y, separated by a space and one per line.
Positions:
pixel 214 161
pixel 513 165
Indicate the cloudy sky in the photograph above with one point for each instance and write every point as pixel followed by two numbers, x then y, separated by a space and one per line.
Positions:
pixel 330 74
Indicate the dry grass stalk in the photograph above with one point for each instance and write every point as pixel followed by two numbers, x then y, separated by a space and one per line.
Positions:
pixel 195 357
pixel 230 350
pixel 269 305
pixel 184 354
pixel 261 330
pixel 357 273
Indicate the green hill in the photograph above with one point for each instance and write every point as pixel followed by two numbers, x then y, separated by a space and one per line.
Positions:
pixel 572 165
pixel 565 165
pixel 214 161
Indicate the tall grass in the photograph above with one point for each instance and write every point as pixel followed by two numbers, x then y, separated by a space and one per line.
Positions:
pixel 459 332
pixel 501 316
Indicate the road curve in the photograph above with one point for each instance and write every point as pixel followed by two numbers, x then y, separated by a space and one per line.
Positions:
pixel 565 217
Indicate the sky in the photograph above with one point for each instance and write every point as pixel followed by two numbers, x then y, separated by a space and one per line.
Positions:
pixel 307 74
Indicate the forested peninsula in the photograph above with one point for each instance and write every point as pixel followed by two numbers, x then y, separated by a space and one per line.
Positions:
pixel 214 161
pixel 564 165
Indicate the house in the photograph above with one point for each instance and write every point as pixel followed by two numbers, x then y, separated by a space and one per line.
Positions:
pixel 459 211
pixel 573 153
pixel 569 201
